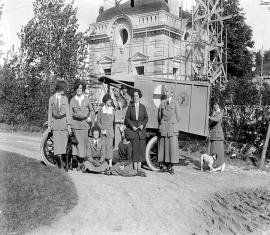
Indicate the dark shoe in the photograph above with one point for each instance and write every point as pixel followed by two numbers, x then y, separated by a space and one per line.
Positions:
pixel 163 169
pixel 171 171
pixel 141 173
pixel 107 172
pixel 78 167
pixel 83 168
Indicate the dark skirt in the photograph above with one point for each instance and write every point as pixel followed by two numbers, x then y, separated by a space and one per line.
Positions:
pixel 168 149
pixel 138 148
pixel 127 171
pixel 217 146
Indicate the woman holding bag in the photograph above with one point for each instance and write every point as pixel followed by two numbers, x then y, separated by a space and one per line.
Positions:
pixel 136 120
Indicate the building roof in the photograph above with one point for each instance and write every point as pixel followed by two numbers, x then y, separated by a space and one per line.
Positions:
pixel 140 7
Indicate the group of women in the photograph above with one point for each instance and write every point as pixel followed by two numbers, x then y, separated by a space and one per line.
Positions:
pixel 78 115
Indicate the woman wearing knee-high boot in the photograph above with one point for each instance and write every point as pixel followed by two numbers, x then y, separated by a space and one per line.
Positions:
pixel 59 121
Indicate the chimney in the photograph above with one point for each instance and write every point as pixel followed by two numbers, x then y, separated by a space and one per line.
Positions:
pixel 107 4
pixel 174 6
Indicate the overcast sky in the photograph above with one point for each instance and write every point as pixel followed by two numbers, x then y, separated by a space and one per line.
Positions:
pixel 18 12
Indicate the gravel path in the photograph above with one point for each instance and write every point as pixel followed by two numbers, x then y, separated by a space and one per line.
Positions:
pixel 190 202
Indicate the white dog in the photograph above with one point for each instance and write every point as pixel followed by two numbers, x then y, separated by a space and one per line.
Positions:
pixel 209 161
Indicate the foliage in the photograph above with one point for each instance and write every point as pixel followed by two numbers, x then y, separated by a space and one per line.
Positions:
pixel 239 40
pixel 241 91
pixel 246 124
pixel 50 41
pixel 50 45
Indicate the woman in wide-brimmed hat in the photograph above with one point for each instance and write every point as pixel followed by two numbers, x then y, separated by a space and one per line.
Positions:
pixel 59 120
pixel 105 119
pixel 81 111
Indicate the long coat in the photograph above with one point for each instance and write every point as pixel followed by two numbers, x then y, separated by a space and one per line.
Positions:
pixel 169 117
pixel 216 132
pixel 130 119
pixel 106 122
pixel 58 119
pixel 139 136
pixel 80 113
pixel 217 137
pixel 58 116
pixel 95 160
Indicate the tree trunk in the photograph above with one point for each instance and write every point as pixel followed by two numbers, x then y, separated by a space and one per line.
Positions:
pixel 265 147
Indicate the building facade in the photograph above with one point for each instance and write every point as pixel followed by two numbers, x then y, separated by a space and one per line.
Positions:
pixel 150 39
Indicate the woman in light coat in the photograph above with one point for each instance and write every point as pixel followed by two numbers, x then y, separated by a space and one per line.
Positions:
pixel 59 121
pixel 169 117
pixel 81 111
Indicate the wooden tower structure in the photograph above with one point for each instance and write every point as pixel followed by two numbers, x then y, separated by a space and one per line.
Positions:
pixel 207 46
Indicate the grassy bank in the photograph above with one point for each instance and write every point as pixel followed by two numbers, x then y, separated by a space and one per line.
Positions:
pixel 32 194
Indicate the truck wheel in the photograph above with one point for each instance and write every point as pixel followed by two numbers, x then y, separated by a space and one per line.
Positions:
pixel 151 155
pixel 46 148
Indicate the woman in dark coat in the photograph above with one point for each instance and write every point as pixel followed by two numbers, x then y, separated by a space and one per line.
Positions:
pixel 169 117
pixel 81 111
pixel 59 121
pixel 124 166
pixel 217 137
pixel 136 119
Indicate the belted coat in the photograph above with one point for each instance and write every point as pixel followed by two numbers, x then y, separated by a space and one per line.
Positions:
pixel 169 117
pixel 58 115
pixel 216 132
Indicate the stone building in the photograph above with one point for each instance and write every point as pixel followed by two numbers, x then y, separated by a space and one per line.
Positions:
pixel 150 39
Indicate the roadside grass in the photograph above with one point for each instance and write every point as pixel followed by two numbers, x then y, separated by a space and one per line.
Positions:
pixel 32 194
pixel 25 129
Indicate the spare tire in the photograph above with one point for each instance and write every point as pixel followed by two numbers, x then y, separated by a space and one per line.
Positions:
pixel 46 148
pixel 151 154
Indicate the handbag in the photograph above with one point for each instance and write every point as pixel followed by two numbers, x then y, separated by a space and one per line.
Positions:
pixel 72 138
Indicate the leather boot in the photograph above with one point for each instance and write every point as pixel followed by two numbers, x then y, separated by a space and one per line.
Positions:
pixel 61 162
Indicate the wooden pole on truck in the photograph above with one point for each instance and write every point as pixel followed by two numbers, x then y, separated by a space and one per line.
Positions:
pixel 265 147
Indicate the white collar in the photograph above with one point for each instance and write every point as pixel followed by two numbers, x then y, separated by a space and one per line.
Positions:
pixel 108 110
pixel 79 99
pixel 58 95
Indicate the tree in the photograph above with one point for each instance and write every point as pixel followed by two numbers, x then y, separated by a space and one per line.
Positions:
pixel 1 35
pixel 50 41
pixel 239 39
pixel 266 62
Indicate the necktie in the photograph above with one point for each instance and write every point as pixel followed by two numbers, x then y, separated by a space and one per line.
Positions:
pixel 58 104
pixel 137 110
pixel 168 101
pixel 96 143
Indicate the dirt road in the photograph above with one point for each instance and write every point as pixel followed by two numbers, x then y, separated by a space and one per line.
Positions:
pixel 190 202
